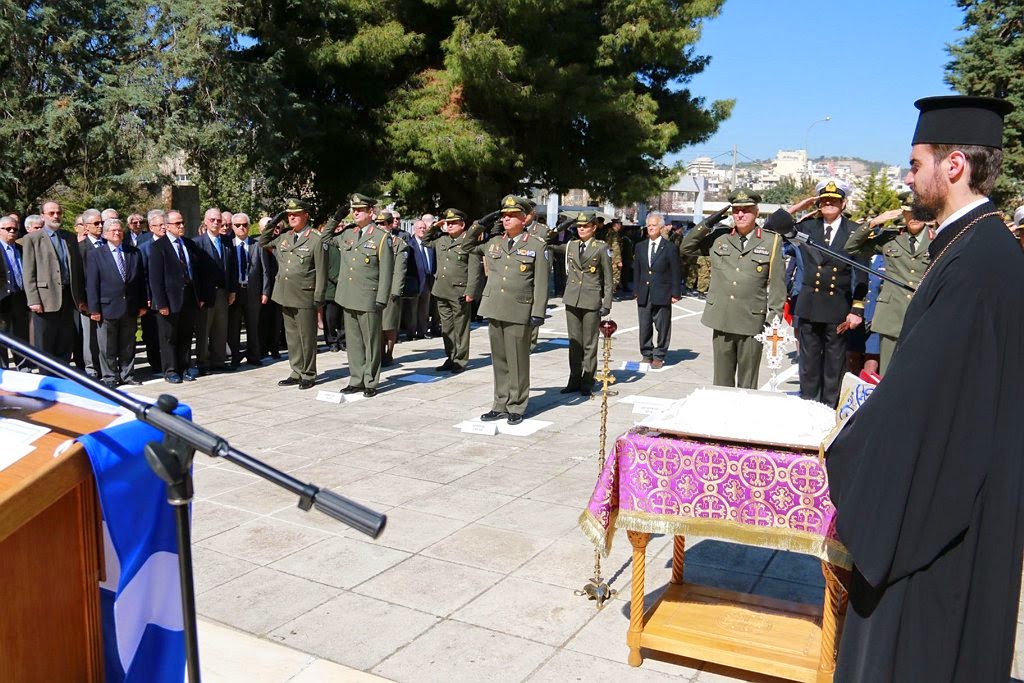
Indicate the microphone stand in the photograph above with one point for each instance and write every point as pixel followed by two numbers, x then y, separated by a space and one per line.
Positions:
pixel 793 235
pixel 171 460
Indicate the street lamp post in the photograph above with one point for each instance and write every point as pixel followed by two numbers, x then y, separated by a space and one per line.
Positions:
pixel 807 135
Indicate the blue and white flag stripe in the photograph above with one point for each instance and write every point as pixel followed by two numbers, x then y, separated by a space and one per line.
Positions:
pixel 140 598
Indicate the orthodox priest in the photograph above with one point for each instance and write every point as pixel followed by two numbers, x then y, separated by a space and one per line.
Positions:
pixel 927 475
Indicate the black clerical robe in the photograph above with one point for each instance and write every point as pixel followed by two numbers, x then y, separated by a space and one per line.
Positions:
pixel 927 476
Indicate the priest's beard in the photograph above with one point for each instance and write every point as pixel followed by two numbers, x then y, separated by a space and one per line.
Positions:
pixel 929 200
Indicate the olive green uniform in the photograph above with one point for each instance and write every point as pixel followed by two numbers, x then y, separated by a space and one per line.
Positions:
pixel 364 287
pixel 541 232
pixel 299 290
pixel 516 290
pixel 902 263
pixel 392 316
pixel 459 275
pixel 588 288
pixel 748 285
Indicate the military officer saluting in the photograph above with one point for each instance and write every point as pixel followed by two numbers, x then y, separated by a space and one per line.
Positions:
pixel 831 296
pixel 748 285
pixel 589 287
pixel 514 301
pixel 904 246
pixel 299 288
pixel 364 287
pixel 457 284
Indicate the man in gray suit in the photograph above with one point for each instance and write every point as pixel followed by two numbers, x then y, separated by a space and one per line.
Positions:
pixel 90 238
pixel 54 283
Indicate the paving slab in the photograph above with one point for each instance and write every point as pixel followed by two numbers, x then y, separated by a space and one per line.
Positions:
pixel 455 652
pixel 354 630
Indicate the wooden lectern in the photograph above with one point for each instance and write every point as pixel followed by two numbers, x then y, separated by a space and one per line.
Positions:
pixel 51 551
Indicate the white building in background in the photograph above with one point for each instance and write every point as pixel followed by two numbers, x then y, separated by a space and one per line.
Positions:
pixel 700 166
pixel 790 162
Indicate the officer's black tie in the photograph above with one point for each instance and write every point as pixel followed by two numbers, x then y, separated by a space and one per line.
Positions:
pixel 913 244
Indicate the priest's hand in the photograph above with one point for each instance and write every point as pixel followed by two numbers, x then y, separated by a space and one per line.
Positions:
pixel 853 320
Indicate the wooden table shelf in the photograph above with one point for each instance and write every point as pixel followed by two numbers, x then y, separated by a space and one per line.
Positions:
pixel 782 638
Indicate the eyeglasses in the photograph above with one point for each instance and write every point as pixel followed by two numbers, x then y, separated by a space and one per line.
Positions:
pixel 175 222
pixel 95 223
pixel 240 225
pixel 9 229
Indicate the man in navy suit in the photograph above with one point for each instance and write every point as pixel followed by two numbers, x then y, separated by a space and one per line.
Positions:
pixel 13 305
pixel 177 285
pixel 218 258
pixel 150 335
pixel 425 261
pixel 656 277
pixel 115 289
pixel 254 290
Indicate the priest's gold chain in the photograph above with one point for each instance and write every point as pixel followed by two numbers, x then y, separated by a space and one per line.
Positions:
pixel 953 241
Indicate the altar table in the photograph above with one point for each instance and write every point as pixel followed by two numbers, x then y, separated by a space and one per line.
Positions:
pixel 772 498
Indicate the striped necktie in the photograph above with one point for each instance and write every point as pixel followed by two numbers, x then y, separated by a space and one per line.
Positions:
pixel 119 260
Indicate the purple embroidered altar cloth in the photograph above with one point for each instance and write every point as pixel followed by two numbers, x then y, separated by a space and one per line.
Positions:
pixel 772 498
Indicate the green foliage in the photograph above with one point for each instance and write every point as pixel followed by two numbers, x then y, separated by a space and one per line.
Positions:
pixel 989 61
pixel 427 102
pixel 788 191
pixel 875 197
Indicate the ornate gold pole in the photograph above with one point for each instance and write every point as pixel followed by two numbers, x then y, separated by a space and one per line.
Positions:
pixel 598 589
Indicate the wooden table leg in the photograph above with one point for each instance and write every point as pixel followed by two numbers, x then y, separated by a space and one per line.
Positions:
pixel 678 554
pixel 829 623
pixel 639 540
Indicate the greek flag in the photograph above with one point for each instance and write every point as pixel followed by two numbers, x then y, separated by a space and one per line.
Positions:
pixel 140 599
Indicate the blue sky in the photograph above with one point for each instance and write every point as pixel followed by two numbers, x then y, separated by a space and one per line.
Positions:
pixel 789 63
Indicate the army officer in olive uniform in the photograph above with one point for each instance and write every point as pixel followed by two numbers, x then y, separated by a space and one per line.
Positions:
pixel 589 287
pixel 514 301
pixel 299 289
pixel 748 285
pixel 904 246
pixel 457 284
pixel 364 288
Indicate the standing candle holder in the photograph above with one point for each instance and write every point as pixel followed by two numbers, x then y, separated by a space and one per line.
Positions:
pixel 597 588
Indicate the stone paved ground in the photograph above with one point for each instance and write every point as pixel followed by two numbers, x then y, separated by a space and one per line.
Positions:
pixel 473 578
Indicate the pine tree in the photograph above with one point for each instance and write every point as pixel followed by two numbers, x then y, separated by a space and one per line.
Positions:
pixel 875 197
pixel 989 61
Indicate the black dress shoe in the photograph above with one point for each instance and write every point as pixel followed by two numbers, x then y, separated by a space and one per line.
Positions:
pixel 514 419
pixel 192 372
pixel 456 369
pixel 351 390
pixel 387 362
pixel 109 383
pixel 306 383
pixel 369 393
pixel 570 389
pixel 492 415
pixel 447 365
pixel 188 378
pixel 586 392
pixel 131 381
pixel 255 363
pixel 172 378
pixel 288 382
pixel 275 355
